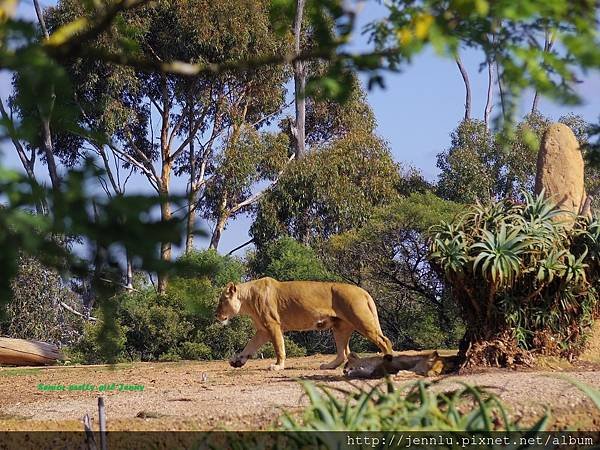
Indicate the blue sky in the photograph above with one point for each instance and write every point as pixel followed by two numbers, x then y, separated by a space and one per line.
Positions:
pixel 415 113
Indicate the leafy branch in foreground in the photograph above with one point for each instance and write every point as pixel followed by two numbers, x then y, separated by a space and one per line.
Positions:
pixel 109 226
pixel 508 33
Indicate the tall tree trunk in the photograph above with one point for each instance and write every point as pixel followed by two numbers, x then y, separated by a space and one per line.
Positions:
pixel 191 222
pixel 165 214
pixel 489 104
pixel 465 77
pixel 501 90
pixel 129 274
pixel 48 146
pixel 220 225
pixel 191 209
pixel 218 231
pixel 165 179
pixel 299 84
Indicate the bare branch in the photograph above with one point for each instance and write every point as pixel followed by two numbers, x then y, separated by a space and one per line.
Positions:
pixel 254 198
pixel 489 104
pixel 77 313
pixel 150 174
pixel 239 247
pixel 28 164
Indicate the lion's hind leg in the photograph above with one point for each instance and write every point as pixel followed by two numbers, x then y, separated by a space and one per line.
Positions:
pixel 377 338
pixel 341 332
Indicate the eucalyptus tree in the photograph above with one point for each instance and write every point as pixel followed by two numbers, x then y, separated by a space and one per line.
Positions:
pixel 348 171
pixel 481 165
pixel 164 125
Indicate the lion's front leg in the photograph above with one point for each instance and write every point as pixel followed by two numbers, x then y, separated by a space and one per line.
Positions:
pixel 276 335
pixel 259 338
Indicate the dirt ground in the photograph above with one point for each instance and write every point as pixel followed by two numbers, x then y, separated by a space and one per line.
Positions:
pixel 212 395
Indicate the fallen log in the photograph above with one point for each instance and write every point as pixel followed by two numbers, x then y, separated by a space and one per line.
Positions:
pixel 20 352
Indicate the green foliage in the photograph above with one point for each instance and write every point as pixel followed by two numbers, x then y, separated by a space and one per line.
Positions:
pixel 417 407
pixel 511 34
pixel 180 323
pixel 35 310
pixel 481 165
pixel 89 348
pixel 388 257
pixel 286 259
pixel 521 273
pixel 292 349
pixel 331 190
pixel 113 224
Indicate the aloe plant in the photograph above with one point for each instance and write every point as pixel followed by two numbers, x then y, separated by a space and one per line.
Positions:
pixel 524 278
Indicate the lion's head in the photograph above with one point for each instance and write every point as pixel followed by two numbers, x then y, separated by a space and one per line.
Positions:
pixel 373 367
pixel 229 304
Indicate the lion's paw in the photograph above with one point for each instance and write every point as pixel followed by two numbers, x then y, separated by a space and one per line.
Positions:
pixel 327 366
pixel 238 361
pixel 276 367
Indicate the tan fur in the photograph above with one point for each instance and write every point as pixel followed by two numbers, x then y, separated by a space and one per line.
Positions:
pixel 428 364
pixel 276 307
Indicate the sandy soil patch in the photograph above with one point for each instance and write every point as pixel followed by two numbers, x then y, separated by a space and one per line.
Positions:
pixel 212 395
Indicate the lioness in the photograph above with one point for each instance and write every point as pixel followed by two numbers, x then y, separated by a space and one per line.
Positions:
pixel 276 307
pixel 428 364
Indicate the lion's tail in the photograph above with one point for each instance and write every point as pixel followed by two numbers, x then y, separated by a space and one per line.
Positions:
pixel 373 309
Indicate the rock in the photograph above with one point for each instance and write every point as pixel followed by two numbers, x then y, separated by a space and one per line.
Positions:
pixel 560 170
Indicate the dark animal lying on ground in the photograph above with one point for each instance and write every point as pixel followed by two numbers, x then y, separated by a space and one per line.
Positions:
pixel 429 364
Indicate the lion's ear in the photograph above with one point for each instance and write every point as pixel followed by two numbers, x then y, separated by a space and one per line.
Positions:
pixel 231 288
pixel 352 356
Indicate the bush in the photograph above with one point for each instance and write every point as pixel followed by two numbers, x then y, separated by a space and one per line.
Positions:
pixel 35 310
pixel 88 350
pixel 287 259
pixel 225 340
pixel 195 350
pixel 179 324
pixel 523 277
pixel 156 325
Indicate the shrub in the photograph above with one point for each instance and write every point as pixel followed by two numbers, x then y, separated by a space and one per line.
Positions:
pixel 523 277
pixel 88 350
pixel 292 349
pixel 179 324
pixel 195 350
pixel 35 310
pixel 287 259
pixel 156 325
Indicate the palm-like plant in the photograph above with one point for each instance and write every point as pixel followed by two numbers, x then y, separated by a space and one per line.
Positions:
pixel 449 247
pixel 499 254
pixel 522 277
